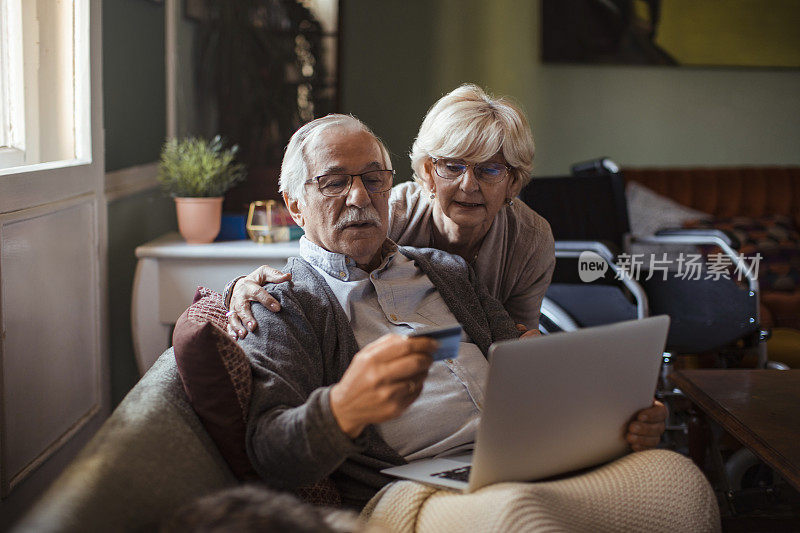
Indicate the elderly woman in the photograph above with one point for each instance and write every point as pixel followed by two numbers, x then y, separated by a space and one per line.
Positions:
pixel 472 156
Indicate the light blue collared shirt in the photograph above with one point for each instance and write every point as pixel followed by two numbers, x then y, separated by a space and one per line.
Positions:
pixel 397 297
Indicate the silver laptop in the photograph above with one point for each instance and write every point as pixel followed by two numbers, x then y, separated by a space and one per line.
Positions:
pixel 554 404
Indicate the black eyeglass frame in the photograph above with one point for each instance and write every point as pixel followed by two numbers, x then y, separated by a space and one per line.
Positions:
pixel 509 168
pixel 351 177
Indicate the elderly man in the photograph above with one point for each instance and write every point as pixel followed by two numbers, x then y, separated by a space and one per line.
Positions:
pixel 335 378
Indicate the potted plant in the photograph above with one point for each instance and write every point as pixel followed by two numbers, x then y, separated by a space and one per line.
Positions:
pixel 197 172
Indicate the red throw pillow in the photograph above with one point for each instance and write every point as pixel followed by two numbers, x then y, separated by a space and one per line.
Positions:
pixel 216 376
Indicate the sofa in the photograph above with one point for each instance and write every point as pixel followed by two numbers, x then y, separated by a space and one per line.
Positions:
pixel 150 457
pixel 154 455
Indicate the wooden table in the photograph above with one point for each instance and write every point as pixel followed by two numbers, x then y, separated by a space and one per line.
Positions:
pixel 168 273
pixel 760 408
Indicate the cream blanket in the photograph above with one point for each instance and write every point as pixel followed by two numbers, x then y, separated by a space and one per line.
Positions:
pixel 650 491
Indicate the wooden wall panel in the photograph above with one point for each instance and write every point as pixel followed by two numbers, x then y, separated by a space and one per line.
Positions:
pixel 50 315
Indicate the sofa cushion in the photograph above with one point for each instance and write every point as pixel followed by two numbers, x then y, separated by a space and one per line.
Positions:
pixel 774 237
pixel 216 376
pixel 649 212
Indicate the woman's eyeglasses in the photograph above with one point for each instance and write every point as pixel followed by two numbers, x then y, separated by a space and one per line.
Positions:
pixel 451 169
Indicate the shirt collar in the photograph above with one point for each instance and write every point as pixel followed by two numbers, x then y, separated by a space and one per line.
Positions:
pixel 341 266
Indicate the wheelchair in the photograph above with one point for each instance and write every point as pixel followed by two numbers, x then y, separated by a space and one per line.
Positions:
pixel 714 312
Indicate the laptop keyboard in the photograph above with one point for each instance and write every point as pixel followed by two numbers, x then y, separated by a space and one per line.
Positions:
pixel 458 474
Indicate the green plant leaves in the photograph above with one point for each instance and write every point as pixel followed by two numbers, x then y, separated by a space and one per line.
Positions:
pixel 195 167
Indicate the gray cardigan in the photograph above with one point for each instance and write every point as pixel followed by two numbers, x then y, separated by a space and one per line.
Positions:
pixel 300 352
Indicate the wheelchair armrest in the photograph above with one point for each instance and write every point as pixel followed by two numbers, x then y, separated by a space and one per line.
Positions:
pixel 692 237
pixel 694 233
pixel 555 314
pixel 575 248
pixel 570 248
pixel 727 242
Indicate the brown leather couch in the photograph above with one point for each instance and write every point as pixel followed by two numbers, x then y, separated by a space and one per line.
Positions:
pixel 736 191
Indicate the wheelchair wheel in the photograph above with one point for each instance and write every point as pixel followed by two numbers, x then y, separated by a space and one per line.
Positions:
pixel 746 471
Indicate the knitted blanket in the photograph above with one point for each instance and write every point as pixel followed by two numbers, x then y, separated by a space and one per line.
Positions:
pixel 650 491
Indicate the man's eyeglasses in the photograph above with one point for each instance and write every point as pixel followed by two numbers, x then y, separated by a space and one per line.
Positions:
pixel 451 169
pixel 375 181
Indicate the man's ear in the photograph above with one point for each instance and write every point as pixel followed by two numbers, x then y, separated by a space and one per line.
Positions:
pixel 293 205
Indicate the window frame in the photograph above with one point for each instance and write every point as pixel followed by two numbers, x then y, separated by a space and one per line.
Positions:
pixel 12 89
pixel 40 133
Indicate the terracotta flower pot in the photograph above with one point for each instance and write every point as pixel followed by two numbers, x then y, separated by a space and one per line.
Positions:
pixel 199 218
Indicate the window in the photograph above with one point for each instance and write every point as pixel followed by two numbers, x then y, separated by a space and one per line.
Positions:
pixel 44 84
pixel 12 103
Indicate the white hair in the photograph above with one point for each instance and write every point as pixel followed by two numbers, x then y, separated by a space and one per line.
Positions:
pixel 469 124
pixel 294 168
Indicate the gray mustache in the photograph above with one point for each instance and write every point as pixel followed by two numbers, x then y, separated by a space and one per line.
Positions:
pixel 354 215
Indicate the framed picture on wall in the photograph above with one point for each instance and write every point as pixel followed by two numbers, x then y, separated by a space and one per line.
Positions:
pixel 733 33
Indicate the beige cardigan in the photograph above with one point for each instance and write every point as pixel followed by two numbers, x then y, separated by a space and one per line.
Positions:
pixel 516 259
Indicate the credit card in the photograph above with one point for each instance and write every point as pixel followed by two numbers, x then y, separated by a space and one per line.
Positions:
pixel 448 338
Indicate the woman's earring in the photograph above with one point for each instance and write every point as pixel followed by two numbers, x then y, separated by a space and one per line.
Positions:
pixel 433 195
pixel 509 201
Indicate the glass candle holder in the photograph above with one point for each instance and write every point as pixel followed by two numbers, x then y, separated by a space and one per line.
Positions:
pixel 261 226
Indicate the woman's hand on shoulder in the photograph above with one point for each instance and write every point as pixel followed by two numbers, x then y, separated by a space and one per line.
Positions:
pixel 250 289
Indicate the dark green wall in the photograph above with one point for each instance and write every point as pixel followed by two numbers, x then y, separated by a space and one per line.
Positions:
pixel 134 111
pixel 134 118
pixel 132 221
pixel 385 47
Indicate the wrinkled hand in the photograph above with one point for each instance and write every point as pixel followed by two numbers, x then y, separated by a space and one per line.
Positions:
pixel 250 289
pixel 383 379
pixel 645 431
